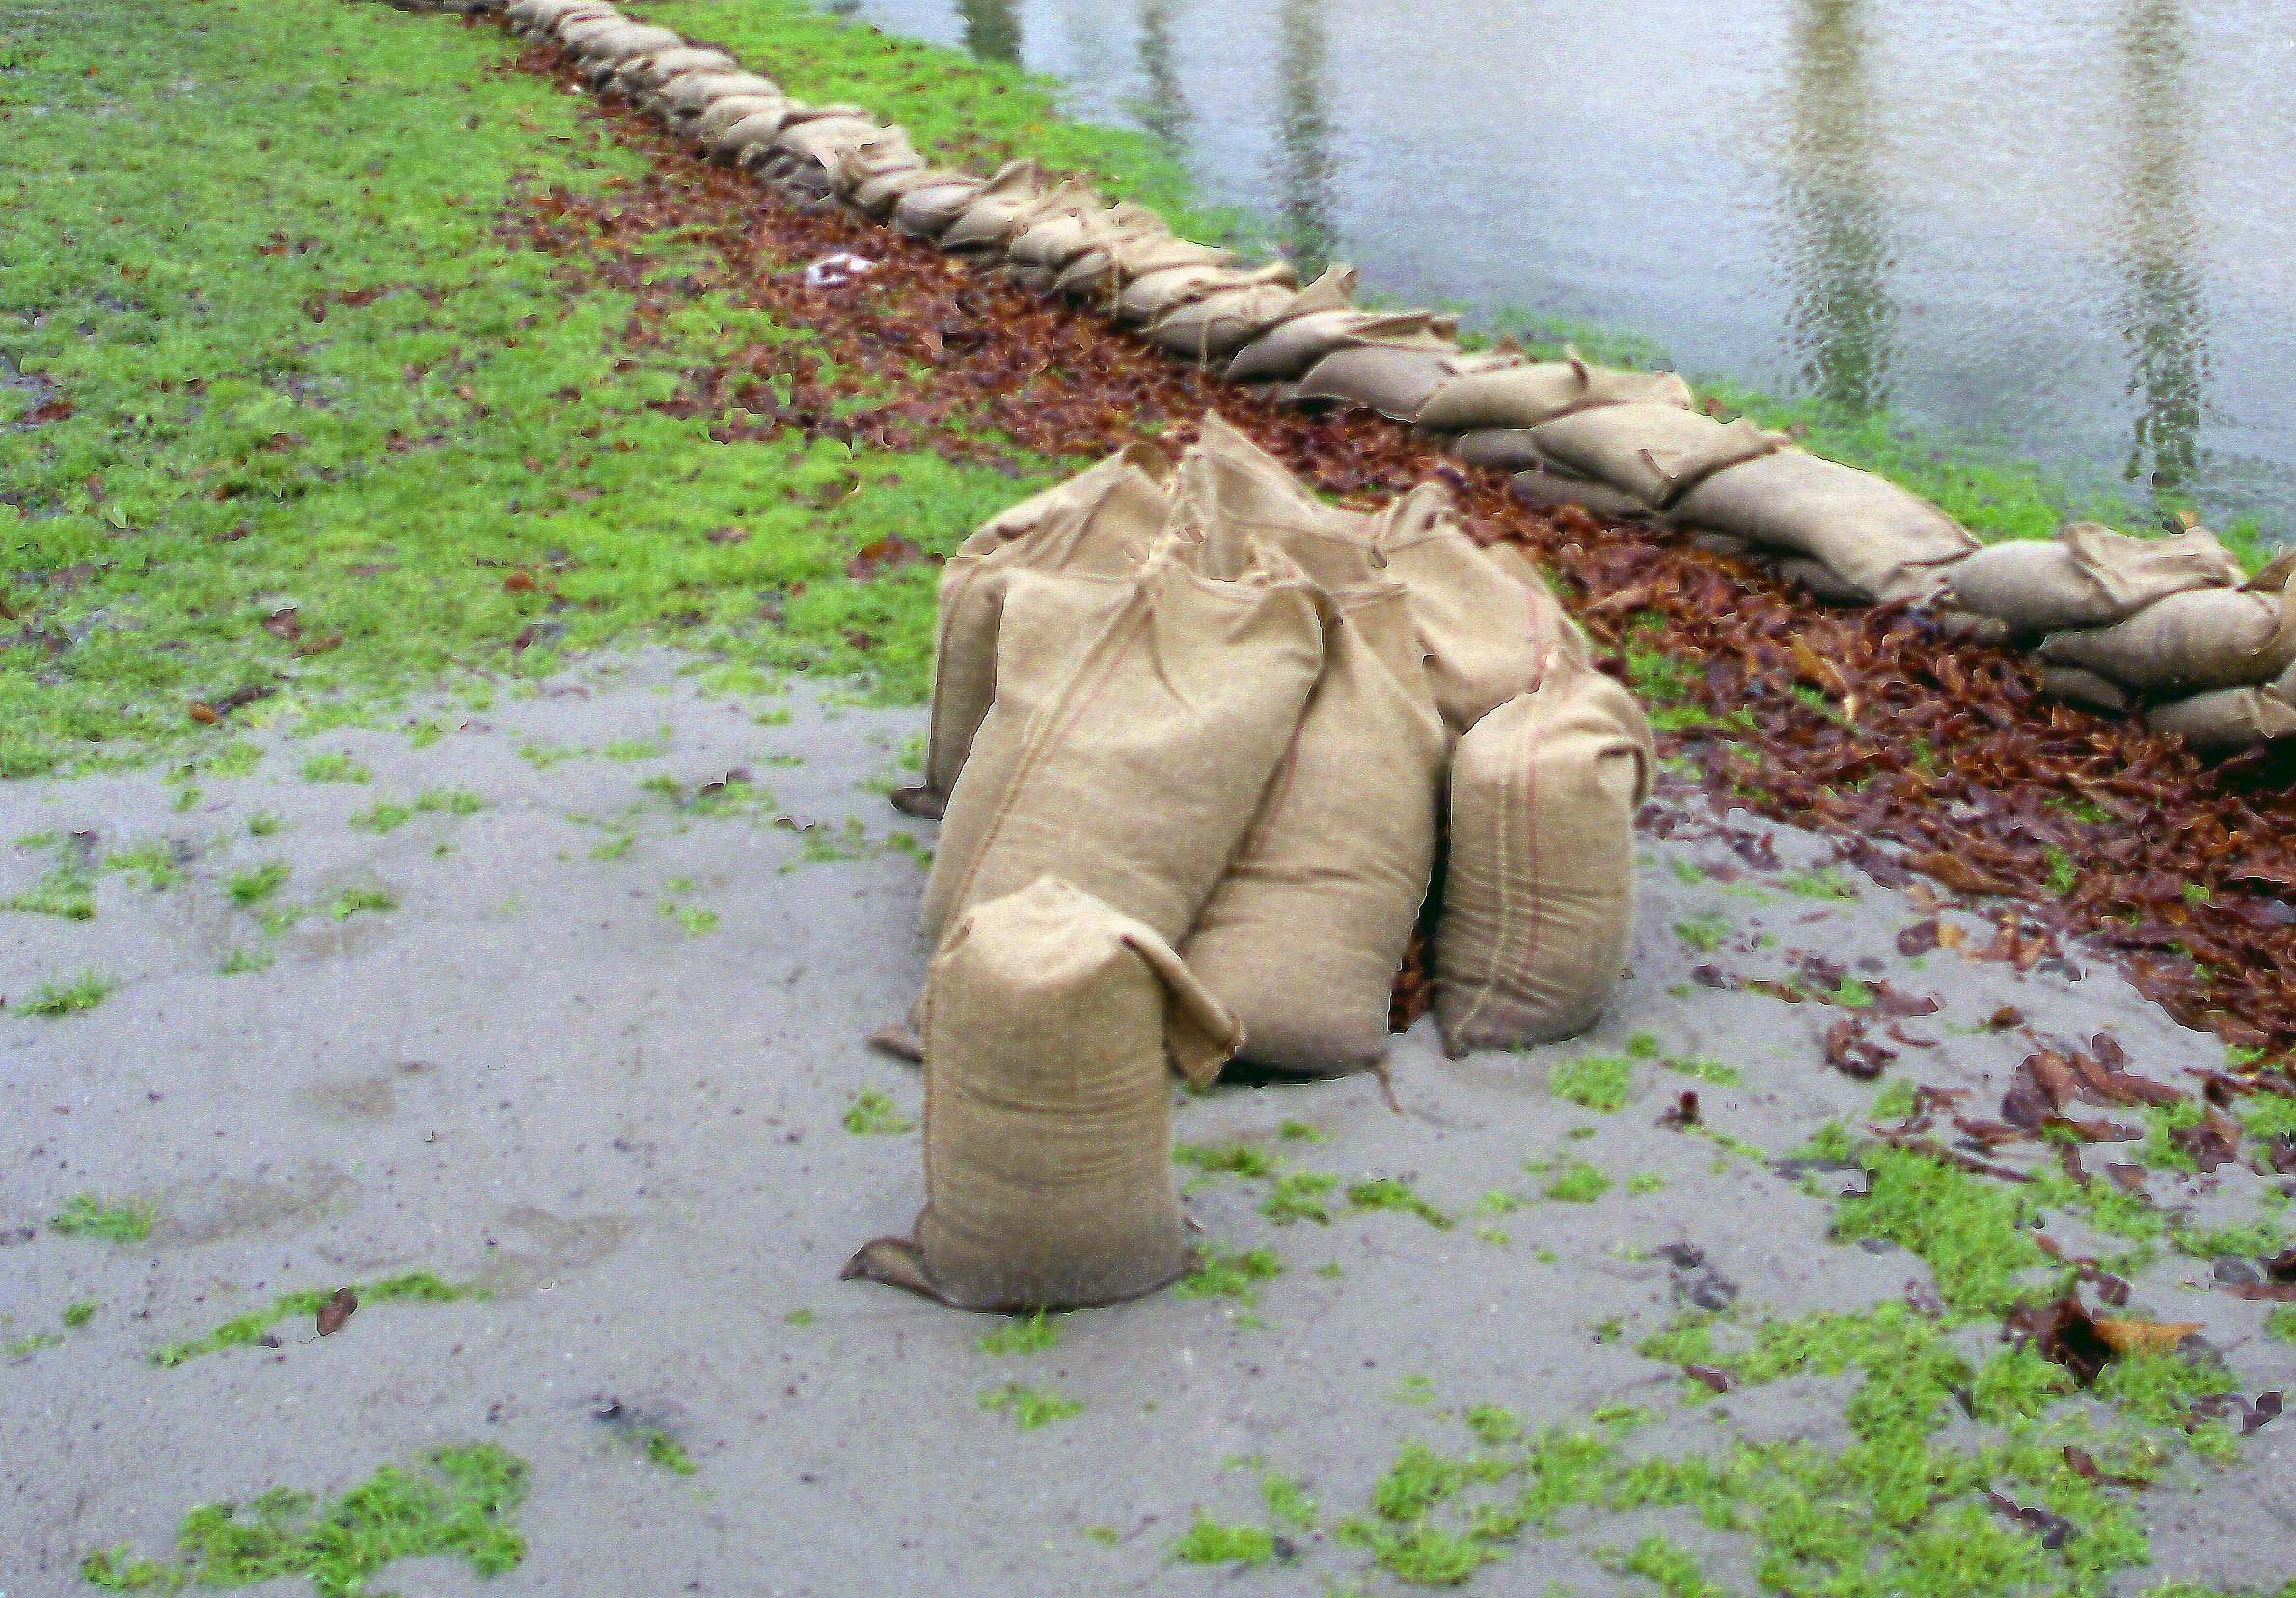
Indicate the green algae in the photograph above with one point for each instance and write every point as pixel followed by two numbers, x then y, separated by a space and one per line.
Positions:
pixel 107 1220
pixel 254 1328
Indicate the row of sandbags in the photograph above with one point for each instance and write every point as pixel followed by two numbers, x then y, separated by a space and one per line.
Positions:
pixel 2166 627
pixel 1194 735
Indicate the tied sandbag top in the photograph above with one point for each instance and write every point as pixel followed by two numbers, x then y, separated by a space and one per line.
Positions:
pixel 1654 452
pixel 1216 325
pixel 2230 718
pixel 2201 638
pixel 2090 576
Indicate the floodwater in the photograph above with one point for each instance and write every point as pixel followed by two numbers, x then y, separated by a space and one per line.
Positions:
pixel 2066 226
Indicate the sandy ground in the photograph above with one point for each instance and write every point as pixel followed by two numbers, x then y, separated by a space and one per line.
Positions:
pixel 535 1076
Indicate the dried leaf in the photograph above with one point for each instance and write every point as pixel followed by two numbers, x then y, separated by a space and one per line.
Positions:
pixel 340 1306
pixel 2143 1336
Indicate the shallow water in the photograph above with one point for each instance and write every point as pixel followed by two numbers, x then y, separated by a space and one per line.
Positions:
pixel 2066 225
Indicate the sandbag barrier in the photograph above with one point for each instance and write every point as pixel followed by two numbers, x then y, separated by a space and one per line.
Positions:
pixel 2165 629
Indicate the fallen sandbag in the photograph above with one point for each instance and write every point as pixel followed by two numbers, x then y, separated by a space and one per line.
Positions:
pixel 1216 326
pixel 2088 576
pixel 1053 1025
pixel 1485 632
pixel 1005 202
pixel 1101 273
pixel 1303 936
pixel 1146 299
pixel 1128 754
pixel 926 209
pixel 536 15
pixel 1523 394
pixel 1100 522
pixel 1394 380
pixel 1286 350
pixel 1882 542
pixel 2202 638
pixel 1654 453
pixel 2225 719
pixel 1538 898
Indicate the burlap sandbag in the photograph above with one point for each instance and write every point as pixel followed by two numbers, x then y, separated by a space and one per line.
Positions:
pixel 2088 576
pixel 1050 243
pixel 1288 349
pixel 2226 719
pixel 1130 755
pixel 1484 630
pixel 877 195
pixel 857 166
pixel 1304 935
pixel 1539 889
pixel 2076 685
pixel 926 210
pixel 1394 380
pixel 720 115
pixel 1654 453
pixel 1100 522
pixel 1101 272
pixel 2202 638
pixel 1543 488
pixel 1053 1025
pixel 539 15
pixel 1003 203
pixel 1523 394
pixel 751 138
pixel 816 147
pixel 685 97
pixel 1884 544
pixel 575 32
pixel 1216 326
pixel 616 39
pixel 641 74
pixel 1146 299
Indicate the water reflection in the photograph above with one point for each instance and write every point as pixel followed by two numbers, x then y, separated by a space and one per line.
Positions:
pixel 2162 317
pixel 992 29
pixel 1842 323
pixel 1162 110
pixel 1303 167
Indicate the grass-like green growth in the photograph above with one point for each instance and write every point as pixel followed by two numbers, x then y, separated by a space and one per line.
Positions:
pixel 1575 1182
pixel 1388 1193
pixel 1235 1159
pixel 872 1113
pixel 55 999
pixel 1021 1335
pixel 1231 1275
pixel 2281 1323
pixel 1704 932
pixel 1211 1542
pixel 105 1219
pixel 335 766
pixel 240 961
pixel 79 1312
pixel 154 863
pixel 665 1451
pixel 358 900
pixel 251 887
pixel 254 1328
pixel 459 1502
pixel 693 920
pixel 1600 1082
pixel 68 890
pixel 1299 1196
pixel 1030 1408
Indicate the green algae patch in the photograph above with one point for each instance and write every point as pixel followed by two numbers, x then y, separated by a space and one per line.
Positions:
pixel 107 1220
pixel 1211 1542
pixel 253 1330
pixel 458 1502
pixel 1031 1409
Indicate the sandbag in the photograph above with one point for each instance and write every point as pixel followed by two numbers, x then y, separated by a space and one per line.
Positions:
pixel 641 74
pixel 817 145
pixel 1052 1028
pixel 926 210
pixel 1005 202
pixel 1654 453
pixel 2226 719
pixel 1128 754
pixel 1883 543
pixel 1100 522
pixel 537 15
pixel 2202 638
pixel 615 38
pixel 1484 629
pixel 1146 299
pixel 1523 394
pixel 1213 327
pixel 751 138
pixel 1288 349
pixel 857 166
pixel 1539 889
pixel 1050 240
pixel 719 119
pixel 574 22
pixel 1303 936
pixel 1543 488
pixel 2090 576
pixel 2077 686
pixel 1101 272
pixel 875 196
pixel 1394 380
pixel 679 100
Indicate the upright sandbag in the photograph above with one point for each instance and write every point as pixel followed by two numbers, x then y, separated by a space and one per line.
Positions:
pixel 1303 936
pixel 685 97
pixel 616 39
pixel 1053 1025
pixel 1539 892
pixel 1213 327
pixel 857 166
pixel 1100 522
pixel 1129 755
pixel 2226 719
pixel 2088 576
pixel 1286 350
pixel 2202 638
pixel 1520 393
pixel 1883 543
pixel 1654 453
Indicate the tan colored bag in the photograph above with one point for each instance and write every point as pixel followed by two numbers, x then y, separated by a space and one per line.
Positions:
pixel 1518 393
pixel 1485 632
pixel 1303 937
pixel 1653 453
pixel 1538 902
pixel 638 75
pixel 2090 576
pixel 1393 380
pixel 1100 522
pixel 1292 346
pixel 860 165
pixel 927 209
pixel 1018 191
pixel 1051 240
pixel 1216 326
pixel 616 39
pixel 685 97
pixel 2231 717
pixel 2078 686
pixel 1101 273
pixel 720 117
pixel 1147 299
pixel 1051 1027
pixel 1128 756
pixel 2202 638
pixel 1883 543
